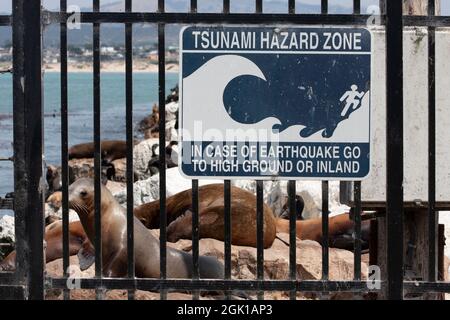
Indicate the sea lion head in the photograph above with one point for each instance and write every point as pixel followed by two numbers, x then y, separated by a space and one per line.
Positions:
pixel 180 228
pixel 81 196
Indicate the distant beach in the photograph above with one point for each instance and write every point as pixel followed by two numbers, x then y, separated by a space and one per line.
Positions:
pixel 107 66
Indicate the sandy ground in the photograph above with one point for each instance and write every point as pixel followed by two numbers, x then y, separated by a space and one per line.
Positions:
pixel 112 67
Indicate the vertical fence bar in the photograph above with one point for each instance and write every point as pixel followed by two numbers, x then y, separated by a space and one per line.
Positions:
pixel 325 244
pixel 226 6
pixel 97 150
pixel 357 6
pixel 227 238
pixel 260 234
pixel 195 236
pixel 227 207
pixel 64 145
pixel 129 138
pixel 19 128
pixel 28 145
pixel 195 230
pixel 259 209
pixel 357 221
pixel 324 6
pixel 193 6
pixel 291 6
pixel 432 216
pixel 162 148
pixel 292 236
pixel 259 6
pixel 394 139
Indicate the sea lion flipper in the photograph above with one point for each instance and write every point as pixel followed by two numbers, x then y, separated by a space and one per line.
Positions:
pixel 86 255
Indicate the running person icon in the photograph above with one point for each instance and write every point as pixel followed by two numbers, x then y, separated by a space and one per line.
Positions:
pixel 352 99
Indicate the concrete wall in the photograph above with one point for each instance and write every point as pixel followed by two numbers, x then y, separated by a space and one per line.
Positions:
pixel 415 117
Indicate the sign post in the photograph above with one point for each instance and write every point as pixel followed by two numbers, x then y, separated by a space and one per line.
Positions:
pixel 267 102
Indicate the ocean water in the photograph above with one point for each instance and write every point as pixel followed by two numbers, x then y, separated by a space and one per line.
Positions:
pixel 80 112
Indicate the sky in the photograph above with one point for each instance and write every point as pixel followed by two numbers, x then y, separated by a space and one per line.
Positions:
pixel 5 5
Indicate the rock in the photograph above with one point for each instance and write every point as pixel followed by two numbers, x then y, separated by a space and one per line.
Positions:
pixel 82 168
pixel 276 260
pixel 120 167
pixel 7 228
pixel 171 119
pixel 55 269
pixel 51 211
pixel 116 187
pixel 142 153
pixel 7 235
pixel 148 190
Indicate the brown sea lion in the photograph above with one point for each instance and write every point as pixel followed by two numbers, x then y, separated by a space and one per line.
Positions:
pixel 146 246
pixel 211 216
pixel 111 150
pixel 340 230
pixel 54 250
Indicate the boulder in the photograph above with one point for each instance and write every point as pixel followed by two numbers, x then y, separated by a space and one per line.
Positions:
pixel 120 167
pixel 148 190
pixel 142 153
pixel 7 235
pixel 276 261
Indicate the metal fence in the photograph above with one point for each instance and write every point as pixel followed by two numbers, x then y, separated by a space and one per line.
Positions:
pixel 29 281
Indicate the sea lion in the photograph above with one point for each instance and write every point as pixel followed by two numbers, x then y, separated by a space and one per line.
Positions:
pixel 146 246
pixel 154 164
pixel 111 150
pixel 55 199
pixel 340 230
pixel 54 250
pixel 211 216
pixel 299 206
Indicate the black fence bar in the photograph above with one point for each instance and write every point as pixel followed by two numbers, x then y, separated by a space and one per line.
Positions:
pixel 227 227
pixel 162 148
pixel 219 18
pixel 432 214
pixel 248 18
pixel 325 244
pixel 292 235
pixel 226 6
pixel 427 287
pixel 394 148
pixel 260 233
pixel 5 20
pixel 357 221
pixel 195 216
pixel 64 145
pixel 193 6
pixel 291 6
pixel 195 235
pixel 259 6
pixel 324 6
pixel 129 137
pixel 97 150
pixel 356 6
pixel 222 285
pixel 28 146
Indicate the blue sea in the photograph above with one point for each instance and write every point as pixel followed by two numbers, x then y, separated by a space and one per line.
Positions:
pixel 80 112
